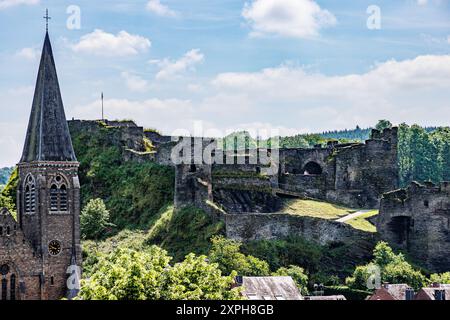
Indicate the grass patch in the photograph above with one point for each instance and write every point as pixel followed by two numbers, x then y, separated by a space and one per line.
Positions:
pixel 362 222
pixel 316 209
pixel 184 231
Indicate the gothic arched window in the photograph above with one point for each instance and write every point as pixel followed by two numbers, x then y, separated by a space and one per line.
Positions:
pixel 12 288
pixel 59 196
pixel 4 289
pixel 54 198
pixel 30 195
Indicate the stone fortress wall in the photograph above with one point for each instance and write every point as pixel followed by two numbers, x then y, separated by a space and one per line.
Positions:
pixel 246 194
pixel 417 220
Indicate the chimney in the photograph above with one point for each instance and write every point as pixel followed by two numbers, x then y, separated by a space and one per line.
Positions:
pixel 409 294
pixel 439 295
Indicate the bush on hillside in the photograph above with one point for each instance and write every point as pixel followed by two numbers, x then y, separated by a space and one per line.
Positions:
pixel 226 253
pixel 94 220
pixel 127 274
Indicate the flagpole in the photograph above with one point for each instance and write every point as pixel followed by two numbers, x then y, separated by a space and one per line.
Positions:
pixel 103 116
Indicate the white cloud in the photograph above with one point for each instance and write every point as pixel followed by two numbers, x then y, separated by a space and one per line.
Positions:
pixel 448 39
pixel 170 69
pixel 397 90
pixel 31 54
pixel 107 44
pixel 160 9
pixel 163 114
pixel 10 142
pixel 12 3
pixel 288 98
pixel 134 82
pixel 21 91
pixel 293 100
pixel 287 18
pixel 422 2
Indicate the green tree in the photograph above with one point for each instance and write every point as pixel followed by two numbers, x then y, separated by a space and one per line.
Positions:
pixel 384 255
pixel 297 274
pixel 443 278
pixel 127 274
pixel 383 124
pixel 226 253
pixel 197 279
pixel 403 272
pixel 94 219
pixel 393 269
pixel 8 194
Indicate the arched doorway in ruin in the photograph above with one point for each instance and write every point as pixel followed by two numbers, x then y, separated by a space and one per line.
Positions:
pixel 400 228
pixel 312 168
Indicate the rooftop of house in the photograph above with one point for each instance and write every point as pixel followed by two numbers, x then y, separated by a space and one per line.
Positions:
pixel 269 288
pixel 434 292
pixel 323 298
pixel 391 292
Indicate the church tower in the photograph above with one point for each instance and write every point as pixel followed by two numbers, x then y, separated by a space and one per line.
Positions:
pixel 48 195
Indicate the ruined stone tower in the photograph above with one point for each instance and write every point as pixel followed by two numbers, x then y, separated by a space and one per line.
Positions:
pixel 48 195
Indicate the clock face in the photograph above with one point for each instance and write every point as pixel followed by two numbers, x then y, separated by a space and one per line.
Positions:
pixel 54 247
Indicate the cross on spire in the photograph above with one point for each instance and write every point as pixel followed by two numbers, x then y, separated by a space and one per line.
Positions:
pixel 46 18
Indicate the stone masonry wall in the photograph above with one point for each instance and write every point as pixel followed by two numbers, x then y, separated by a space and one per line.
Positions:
pixel 248 227
pixel 417 221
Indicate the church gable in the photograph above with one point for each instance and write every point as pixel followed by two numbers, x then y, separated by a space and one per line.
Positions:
pixel 13 242
pixel 19 265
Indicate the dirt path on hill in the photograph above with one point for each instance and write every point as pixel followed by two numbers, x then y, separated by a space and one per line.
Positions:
pixel 353 215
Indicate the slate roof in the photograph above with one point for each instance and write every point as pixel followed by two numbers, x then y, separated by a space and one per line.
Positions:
pixel 270 288
pixel 429 292
pixel 390 292
pixel 48 137
pixel 324 298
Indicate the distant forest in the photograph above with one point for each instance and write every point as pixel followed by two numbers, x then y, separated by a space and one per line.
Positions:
pixel 357 134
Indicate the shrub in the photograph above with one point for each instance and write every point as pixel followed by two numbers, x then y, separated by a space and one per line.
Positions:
pixel 94 220
pixel 297 274
pixel 226 253
pixel 127 274
pixel 443 278
pixel 393 268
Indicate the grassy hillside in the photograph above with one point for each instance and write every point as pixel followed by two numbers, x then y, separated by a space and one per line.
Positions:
pixel 317 209
pixel 133 192
pixel 179 232
pixel 362 222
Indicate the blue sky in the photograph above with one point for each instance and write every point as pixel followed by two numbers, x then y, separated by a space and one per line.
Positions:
pixel 290 65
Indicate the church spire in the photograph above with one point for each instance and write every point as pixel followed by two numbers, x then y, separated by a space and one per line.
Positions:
pixel 48 137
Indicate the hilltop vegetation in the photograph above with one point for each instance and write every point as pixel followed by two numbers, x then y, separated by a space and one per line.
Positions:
pixel 133 192
pixel 424 155
pixel 9 194
pixel 4 176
